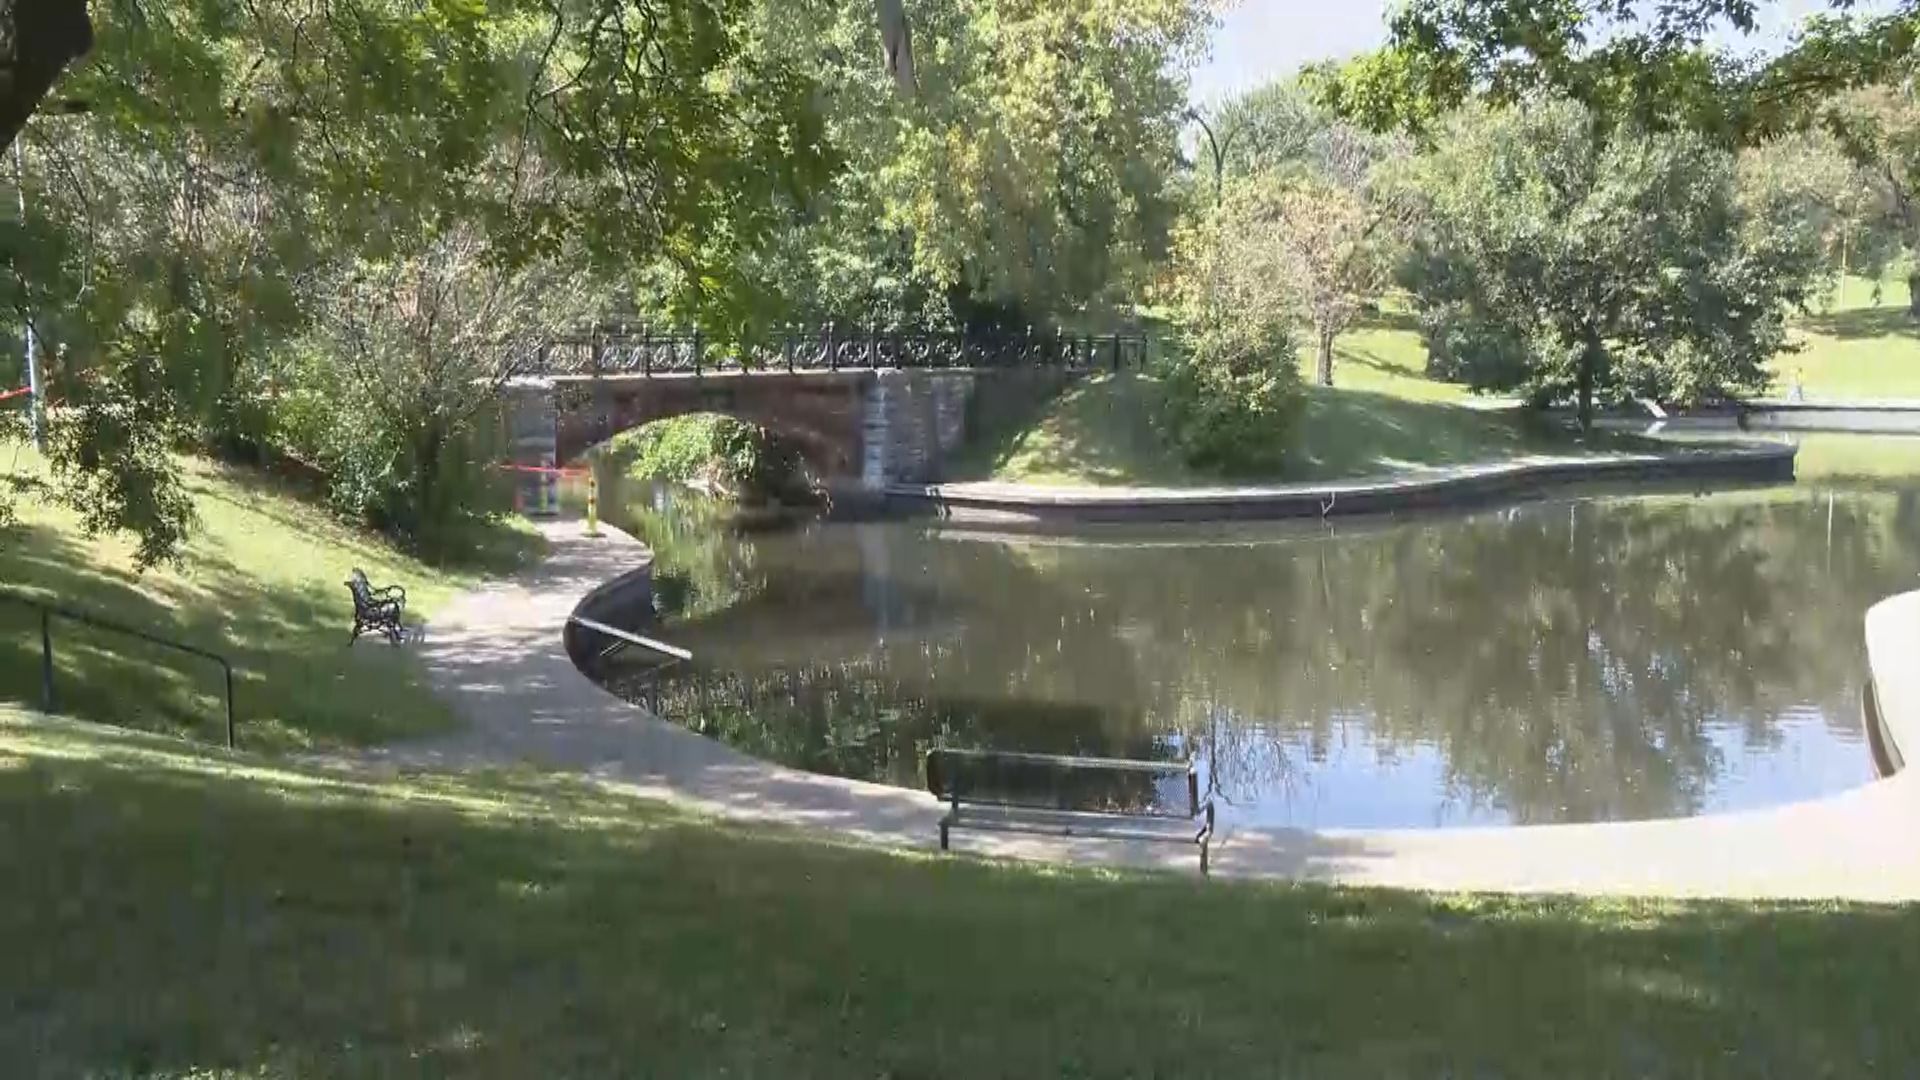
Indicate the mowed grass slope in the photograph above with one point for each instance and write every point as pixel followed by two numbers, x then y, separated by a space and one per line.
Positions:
pixel 260 582
pixel 1858 348
pixel 1383 415
pixel 174 912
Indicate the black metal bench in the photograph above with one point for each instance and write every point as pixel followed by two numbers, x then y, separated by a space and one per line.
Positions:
pixel 954 775
pixel 376 611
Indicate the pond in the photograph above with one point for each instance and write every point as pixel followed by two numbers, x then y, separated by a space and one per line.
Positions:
pixel 1599 658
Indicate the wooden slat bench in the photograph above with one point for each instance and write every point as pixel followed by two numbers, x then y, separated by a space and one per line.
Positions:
pixel 953 775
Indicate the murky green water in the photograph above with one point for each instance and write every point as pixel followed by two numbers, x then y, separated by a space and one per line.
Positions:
pixel 1576 660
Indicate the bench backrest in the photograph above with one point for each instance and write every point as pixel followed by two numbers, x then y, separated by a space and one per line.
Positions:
pixel 1057 781
pixel 361 589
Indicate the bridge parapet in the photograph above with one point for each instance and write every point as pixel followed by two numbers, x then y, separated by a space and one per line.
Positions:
pixel 621 351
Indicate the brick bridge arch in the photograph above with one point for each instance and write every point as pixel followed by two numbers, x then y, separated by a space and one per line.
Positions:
pixel 822 414
pixel 861 429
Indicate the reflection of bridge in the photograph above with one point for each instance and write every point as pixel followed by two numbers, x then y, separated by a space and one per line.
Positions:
pixel 865 409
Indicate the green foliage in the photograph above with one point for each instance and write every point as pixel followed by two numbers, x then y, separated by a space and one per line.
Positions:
pixel 1234 397
pixel 1643 64
pixel 739 458
pixel 1023 177
pixel 257 190
pixel 1558 264
pixel 1879 128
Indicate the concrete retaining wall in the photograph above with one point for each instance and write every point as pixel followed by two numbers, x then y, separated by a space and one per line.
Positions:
pixel 1003 504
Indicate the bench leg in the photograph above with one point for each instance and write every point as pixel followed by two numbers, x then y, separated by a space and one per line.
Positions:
pixel 1203 857
pixel 943 836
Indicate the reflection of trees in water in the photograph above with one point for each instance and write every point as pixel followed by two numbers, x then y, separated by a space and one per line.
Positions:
pixel 701 562
pixel 955 663
pixel 1566 662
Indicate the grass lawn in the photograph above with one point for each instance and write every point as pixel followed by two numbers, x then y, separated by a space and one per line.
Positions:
pixel 260 582
pixel 1382 415
pixel 1857 349
pixel 171 911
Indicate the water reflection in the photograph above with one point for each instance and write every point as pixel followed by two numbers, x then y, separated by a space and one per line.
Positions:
pixel 1578 661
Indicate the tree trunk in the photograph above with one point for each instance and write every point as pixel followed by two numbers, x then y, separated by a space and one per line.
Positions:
pixel 1325 369
pixel 1913 293
pixel 46 35
pixel 1589 367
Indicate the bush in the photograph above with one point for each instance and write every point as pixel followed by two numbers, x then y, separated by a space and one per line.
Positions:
pixel 1235 396
pixel 741 459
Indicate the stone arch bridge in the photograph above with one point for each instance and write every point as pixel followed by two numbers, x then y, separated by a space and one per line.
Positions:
pixel 867 410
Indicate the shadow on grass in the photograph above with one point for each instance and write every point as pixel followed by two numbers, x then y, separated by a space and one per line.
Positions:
pixel 1103 429
pixel 296 681
pixel 1350 433
pixel 1858 323
pixel 489 546
pixel 163 918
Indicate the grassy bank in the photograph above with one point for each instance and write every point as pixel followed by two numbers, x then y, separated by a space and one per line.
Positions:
pixel 1859 347
pixel 171 911
pixel 1385 415
pixel 259 581
pixel 1109 430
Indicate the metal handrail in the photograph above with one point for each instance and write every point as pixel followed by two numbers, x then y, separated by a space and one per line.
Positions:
pixel 49 702
pixel 631 638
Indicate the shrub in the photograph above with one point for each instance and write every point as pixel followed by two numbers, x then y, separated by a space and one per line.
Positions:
pixel 1235 396
pixel 741 459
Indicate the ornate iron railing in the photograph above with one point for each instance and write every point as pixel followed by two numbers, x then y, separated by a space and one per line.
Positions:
pixel 620 350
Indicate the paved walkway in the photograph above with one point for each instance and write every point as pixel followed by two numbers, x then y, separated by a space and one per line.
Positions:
pixel 498 655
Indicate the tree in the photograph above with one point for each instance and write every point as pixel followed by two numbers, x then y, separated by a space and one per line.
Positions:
pixel 397 387
pixel 1332 254
pixel 1880 128
pixel 1024 178
pixel 1293 161
pixel 1560 264
pixel 1642 63
pixel 38 39
pixel 1807 189
pixel 1234 393
pixel 198 219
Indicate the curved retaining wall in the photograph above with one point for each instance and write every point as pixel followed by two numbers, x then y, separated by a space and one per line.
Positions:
pixel 1893 664
pixel 1004 503
pixel 1852 845
pixel 605 603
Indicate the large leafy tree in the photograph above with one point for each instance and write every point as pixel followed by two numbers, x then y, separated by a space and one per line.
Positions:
pixel 1880 128
pixel 1016 169
pixel 1645 63
pixel 1562 265
pixel 237 156
pixel 1293 163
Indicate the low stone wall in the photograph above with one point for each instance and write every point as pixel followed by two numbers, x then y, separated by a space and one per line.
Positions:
pixel 1003 504
pixel 607 603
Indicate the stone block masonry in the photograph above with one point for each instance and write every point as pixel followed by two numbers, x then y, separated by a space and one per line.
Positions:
pixel 860 430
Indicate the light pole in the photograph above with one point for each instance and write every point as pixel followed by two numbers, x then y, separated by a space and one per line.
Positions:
pixel 33 352
pixel 1219 148
pixel 36 410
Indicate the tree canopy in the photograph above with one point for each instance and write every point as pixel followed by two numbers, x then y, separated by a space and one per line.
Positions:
pixel 1558 264
pixel 1644 63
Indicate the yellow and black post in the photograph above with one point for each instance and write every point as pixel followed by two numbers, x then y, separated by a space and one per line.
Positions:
pixel 593 498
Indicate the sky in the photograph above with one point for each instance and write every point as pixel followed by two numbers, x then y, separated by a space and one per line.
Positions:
pixel 1259 41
